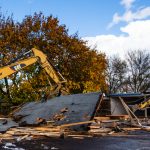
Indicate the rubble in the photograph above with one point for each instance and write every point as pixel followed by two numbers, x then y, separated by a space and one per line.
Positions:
pixel 76 116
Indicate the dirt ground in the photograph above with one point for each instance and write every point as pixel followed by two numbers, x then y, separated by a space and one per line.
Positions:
pixel 130 142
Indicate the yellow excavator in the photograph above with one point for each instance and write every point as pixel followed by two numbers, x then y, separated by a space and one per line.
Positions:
pixel 142 105
pixel 41 58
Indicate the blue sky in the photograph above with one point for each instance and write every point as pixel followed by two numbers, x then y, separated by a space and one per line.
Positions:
pixel 88 17
pixel 99 21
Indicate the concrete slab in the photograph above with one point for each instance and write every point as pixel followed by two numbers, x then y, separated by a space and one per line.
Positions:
pixel 116 107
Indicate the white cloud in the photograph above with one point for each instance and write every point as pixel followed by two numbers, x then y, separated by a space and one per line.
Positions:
pixel 127 3
pixel 138 36
pixel 129 15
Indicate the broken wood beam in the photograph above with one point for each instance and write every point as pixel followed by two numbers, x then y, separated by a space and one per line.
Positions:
pixel 77 123
pixel 118 116
pixel 102 118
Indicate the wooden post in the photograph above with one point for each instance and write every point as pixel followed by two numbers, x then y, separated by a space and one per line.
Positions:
pixel 130 113
pixel 145 112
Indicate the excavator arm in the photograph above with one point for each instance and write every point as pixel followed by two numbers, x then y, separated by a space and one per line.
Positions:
pixel 41 58
pixel 53 74
pixel 142 105
pixel 15 67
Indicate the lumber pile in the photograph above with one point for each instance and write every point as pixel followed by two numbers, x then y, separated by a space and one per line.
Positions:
pixel 100 126
pixel 20 133
pixel 36 131
pixel 106 125
pixel 114 125
pixel 28 133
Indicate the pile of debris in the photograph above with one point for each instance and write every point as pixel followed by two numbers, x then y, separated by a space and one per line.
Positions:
pixel 72 116
pixel 108 125
pixel 55 117
pixel 100 126
pixel 28 133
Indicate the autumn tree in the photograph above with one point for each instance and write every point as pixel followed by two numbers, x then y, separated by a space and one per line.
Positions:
pixel 83 67
pixel 6 30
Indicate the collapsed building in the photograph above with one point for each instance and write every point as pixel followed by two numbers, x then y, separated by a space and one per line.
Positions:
pixel 79 108
pixel 96 113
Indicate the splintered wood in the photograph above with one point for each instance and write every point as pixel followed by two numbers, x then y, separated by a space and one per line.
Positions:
pixel 21 133
pixel 106 125
pixel 99 126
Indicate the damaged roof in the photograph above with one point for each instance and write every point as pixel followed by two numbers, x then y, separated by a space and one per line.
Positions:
pixel 63 109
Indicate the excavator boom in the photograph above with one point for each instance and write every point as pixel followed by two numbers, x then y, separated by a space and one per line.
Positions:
pixel 142 105
pixel 48 67
pixel 15 67
pixel 41 58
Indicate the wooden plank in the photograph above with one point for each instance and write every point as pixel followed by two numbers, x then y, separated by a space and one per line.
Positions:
pixel 109 121
pixel 32 133
pixel 23 137
pixel 101 130
pixel 131 129
pixel 99 105
pixel 133 117
pixel 76 135
pixel 5 135
pixel 44 129
pixel 118 116
pixel 75 124
pixel 102 118
pixel 94 127
pixel 7 138
pixel 47 129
